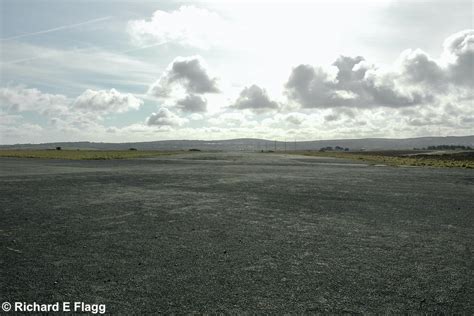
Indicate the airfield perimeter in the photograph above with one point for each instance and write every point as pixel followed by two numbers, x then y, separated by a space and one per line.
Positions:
pixel 237 232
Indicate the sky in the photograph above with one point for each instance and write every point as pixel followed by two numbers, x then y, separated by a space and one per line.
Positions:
pixel 121 71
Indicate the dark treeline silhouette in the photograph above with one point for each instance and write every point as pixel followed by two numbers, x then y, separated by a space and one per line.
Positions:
pixel 337 148
pixel 449 147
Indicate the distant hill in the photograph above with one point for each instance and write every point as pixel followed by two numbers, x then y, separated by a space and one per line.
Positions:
pixel 260 144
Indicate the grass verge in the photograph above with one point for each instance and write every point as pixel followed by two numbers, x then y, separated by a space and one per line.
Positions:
pixel 392 158
pixel 84 154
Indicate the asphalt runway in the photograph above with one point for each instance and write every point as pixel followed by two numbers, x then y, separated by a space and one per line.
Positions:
pixel 237 232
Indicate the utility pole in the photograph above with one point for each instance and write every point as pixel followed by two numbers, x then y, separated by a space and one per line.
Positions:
pixel 275 145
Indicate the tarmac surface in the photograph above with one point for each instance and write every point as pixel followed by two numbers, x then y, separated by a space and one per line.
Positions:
pixel 237 232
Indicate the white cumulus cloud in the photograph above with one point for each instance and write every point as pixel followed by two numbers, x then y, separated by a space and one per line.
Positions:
pixel 103 101
pixel 188 26
pixel 20 98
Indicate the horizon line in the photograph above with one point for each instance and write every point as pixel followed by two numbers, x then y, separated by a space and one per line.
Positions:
pixel 239 138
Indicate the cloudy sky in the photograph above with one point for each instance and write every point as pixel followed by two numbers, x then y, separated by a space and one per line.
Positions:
pixel 103 70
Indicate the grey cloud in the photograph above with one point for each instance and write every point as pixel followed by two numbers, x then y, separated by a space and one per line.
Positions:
pixel 164 117
pixel 340 113
pixel 188 72
pixel 459 49
pixel 347 112
pixel 382 90
pixel 467 120
pixel 457 68
pixel 346 73
pixel 422 122
pixel 103 101
pixel 195 76
pixel 418 67
pixel 310 86
pixel 295 118
pixel 192 103
pixel 353 86
pixel 418 80
pixel 256 99
pixel 160 88
pixel 331 117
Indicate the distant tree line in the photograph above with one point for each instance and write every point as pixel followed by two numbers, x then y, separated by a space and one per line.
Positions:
pixel 337 148
pixel 447 147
